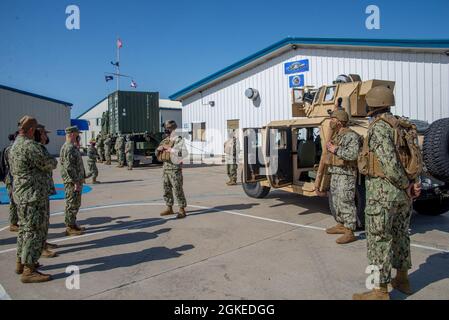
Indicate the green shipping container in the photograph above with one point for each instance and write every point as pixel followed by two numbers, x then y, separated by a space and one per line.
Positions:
pixel 133 112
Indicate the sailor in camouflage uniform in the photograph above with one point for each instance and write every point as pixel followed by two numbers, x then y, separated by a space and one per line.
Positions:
pixel 129 150
pixel 30 167
pixel 343 149
pixel 232 150
pixel 41 137
pixel 73 174
pixel 172 150
pixel 13 216
pixel 389 202
pixel 120 150
pixel 100 148
pixel 92 157
pixel 107 149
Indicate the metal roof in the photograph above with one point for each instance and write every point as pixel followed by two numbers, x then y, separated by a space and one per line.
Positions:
pixel 36 95
pixel 368 44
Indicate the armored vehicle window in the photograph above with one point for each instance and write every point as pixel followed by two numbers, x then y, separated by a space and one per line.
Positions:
pixel 329 96
pixel 281 139
pixel 318 95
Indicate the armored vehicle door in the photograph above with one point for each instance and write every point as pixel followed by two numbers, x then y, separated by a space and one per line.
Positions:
pixel 279 156
pixel 254 168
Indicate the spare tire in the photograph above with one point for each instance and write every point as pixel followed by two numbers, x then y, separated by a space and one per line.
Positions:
pixel 436 149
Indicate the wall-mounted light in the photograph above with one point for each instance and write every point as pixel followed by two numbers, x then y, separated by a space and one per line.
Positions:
pixel 212 103
pixel 252 94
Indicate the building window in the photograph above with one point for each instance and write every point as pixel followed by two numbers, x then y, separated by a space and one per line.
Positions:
pixel 98 121
pixel 199 131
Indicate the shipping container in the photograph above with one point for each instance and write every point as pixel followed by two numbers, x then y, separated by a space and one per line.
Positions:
pixel 133 112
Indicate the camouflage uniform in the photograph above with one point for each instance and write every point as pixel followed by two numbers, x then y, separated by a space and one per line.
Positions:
pixel 232 158
pixel 51 191
pixel 107 148
pixel 120 149
pixel 344 178
pixel 388 208
pixel 172 174
pixel 129 150
pixel 30 167
pixel 92 156
pixel 72 172
pixel 13 216
pixel 100 147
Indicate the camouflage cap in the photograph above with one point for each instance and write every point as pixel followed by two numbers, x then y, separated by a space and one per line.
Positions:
pixel 340 115
pixel 170 125
pixel 72 129
pixel 27 122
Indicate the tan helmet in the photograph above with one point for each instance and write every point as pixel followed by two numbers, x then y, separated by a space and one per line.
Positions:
pixel 340 115
pixel 170 125
pixel 380 97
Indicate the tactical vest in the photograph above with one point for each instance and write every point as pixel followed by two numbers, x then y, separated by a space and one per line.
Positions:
pixel 407 149
pixel 164 155
pixel 334 160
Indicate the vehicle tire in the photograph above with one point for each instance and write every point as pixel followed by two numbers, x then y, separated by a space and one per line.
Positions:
pixel 255 190
pixel 431 207
pixel 360 203
pixel 436 149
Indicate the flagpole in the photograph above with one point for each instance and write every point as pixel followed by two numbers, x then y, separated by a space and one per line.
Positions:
pixel 118 64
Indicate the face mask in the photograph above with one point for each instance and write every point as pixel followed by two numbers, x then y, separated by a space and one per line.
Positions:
pixel 47 141
pixel 166 131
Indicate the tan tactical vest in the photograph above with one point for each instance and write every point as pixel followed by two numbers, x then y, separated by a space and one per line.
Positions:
pixel 332 159
pixel 407 149
pixel 164 156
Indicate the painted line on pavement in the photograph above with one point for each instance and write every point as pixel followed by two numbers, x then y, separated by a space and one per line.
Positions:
pixel 3 294
pixel 197 207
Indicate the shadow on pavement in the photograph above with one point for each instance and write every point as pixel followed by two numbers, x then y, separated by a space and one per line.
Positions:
pixel 310 204
pixel 119 181
pixel 123 260
pixel 434 269
pixel 422 223
pixel 117 240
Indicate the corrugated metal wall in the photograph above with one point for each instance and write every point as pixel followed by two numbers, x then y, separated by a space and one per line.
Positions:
pixel 14 106
pixel 422 88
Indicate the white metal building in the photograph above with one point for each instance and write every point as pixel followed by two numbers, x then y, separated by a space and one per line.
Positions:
pixel 218 102
pixel 168 110
pixel 54 114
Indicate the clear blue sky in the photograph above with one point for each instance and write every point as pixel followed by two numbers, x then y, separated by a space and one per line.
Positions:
pixel 169 44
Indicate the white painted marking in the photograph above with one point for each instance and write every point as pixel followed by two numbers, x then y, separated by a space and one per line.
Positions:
pixel 3 294
pixel 198 207
pixel 3 229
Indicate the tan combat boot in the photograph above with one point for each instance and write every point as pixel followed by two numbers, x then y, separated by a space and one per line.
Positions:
pixel 14 228
pixel 19 266
pixel 231 183
pixel 108 163
pixel 31 275
pixel 77 227
pixel 167 212
pixel 375 294
pixel 71 231
pixel 401 282
pixel 94 181
pixel 338 229
pixel 347 237
pixel 182 213
pixel 46 253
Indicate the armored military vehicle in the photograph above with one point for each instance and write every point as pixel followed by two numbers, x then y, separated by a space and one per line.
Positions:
pixel 290 155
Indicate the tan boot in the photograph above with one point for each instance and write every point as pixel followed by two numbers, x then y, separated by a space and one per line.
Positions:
pixel 77 227
pixel 231 183
pixel 401 282
pixel 167 212
pixel 48 253
pixel 182 213
pixel 19 266
pixel 108 163
pixel 375 294
pixel 14 228
pixel 347 237
pixel 71 231
pixel 51 245
pixel 338 229
pixel 94 181
pixel 31 275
